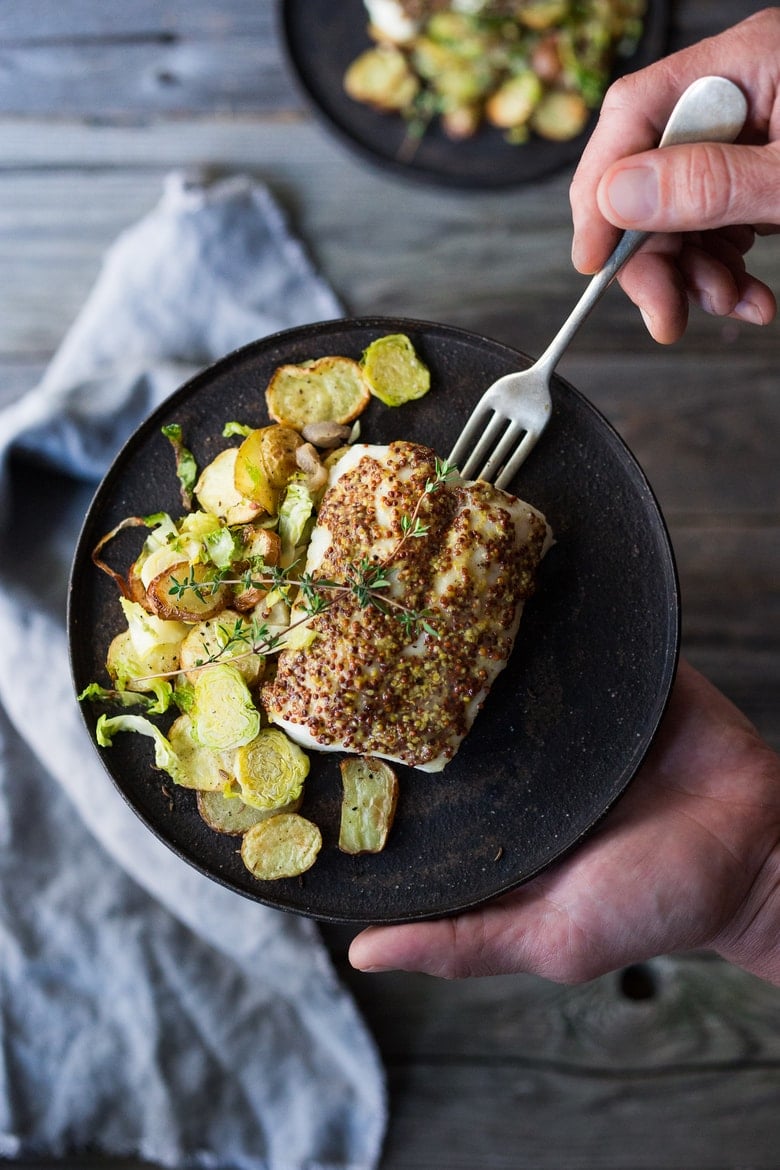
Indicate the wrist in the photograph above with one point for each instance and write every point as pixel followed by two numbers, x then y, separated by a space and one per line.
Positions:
pixel 752 939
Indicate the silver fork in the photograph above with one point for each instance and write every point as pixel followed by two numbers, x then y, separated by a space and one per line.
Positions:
pixel 512 413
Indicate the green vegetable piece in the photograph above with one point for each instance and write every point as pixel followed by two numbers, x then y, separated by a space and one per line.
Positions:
pixel 295 513
pixel 231 429
pixel 369 798
pixel 222 710
pixel 271 770
pixel 98 694
pixel 200 767
pixel 186 467
pixel 164 755
pixel 394 372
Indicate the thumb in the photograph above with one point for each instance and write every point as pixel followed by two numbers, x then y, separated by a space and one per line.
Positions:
pixel 693 188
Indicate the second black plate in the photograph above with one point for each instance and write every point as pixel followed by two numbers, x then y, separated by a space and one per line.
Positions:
pixel 322 40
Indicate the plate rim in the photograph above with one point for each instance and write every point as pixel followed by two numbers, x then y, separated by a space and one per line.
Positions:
pixel 656 37
pixel 667 672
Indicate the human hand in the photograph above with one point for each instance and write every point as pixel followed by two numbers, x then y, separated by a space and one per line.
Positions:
pixel 710 200
pixel 688 858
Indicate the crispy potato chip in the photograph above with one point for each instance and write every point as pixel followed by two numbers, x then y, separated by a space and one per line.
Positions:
pixel 283 846
pixel 330 389
pixel 393 370
pixel 370 795
pixel 216 490
pixel 229 814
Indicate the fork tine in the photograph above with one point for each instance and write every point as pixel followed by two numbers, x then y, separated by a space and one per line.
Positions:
pixel 523 450
pixel 487 437
pixel 503 450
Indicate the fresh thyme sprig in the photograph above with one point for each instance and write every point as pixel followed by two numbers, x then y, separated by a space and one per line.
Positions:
pixel 367 580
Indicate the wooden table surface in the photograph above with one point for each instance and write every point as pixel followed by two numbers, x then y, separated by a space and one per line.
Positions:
pixel 671 1065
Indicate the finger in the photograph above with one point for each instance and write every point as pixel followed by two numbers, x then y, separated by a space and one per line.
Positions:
pixel 655 284
pixel 757 304
pixel 692 188
pixel 717 281
pixel 522 931
pixel 711 284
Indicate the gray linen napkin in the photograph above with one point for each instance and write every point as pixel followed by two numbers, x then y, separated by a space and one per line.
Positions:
pixel 145 1010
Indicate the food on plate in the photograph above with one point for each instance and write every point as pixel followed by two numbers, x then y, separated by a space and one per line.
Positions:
pixel 523 66
pixel 393 370
pixel 282 846
pixel 465 555
pixel 331 389
pixel 318 594
pixel 368 803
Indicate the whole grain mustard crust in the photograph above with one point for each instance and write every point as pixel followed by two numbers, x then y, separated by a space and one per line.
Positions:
pixel 365 684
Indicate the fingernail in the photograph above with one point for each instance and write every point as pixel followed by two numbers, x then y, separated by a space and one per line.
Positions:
pixel 747 311
pixel 633 194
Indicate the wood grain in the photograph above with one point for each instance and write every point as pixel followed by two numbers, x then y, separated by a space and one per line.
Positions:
pixel 675 1064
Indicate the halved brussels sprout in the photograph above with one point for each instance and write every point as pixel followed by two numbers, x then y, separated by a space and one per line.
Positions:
pixel 283 846
pixel 222 710
pixel 270 770
pixel 393 370
pixel 200 767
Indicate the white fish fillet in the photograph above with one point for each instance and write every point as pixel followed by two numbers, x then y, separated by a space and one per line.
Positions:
pixel 365 684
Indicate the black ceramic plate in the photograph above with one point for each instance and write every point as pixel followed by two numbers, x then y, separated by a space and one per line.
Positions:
pixel 323 38
pixel 568 721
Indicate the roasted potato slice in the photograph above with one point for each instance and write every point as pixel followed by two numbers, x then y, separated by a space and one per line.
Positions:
pixel 542 14
pixel 381 77
pixel 514 102
pixel 560 116
pixel 369 799
pixel 265 463
pixel 330 389
pixel 228 635
pixel 263 544
pixel 283 846
pixel 187 592
pixel 133 670
pixel 216 490
pixel 229 814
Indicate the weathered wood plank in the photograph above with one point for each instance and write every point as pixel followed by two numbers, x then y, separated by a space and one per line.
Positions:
pixel 693 1013
pixel 491 262
pixel 116 61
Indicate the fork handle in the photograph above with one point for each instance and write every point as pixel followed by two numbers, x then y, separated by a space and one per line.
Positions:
pixel 627 245
pixel 712 109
